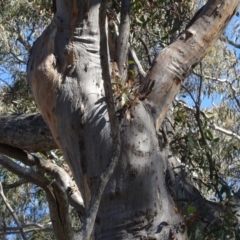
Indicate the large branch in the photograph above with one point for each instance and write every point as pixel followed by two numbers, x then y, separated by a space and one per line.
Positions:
pixel 176 61
pixel 62 177
pixel 22 172
pixel 26 131
pixel 67 184
pixel 59 193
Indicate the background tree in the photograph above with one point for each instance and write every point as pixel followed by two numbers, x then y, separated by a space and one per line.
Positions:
pixel 71 76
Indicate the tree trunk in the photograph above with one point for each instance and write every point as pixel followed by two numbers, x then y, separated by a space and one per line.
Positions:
pixel 65 75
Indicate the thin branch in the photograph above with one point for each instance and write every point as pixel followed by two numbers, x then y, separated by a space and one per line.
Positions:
pixel 197 116
pixel 7 84
pixel 18 58
pixel 228 82
pixel 208 155
pixel 135 58
pixel 222 80
pixel 212 170
pixel 14 215
pixel 185 105
pixel 236 45
pixel 214 126
pixel 34 224
pixel 15 184
pixel 147 51
pixel 190 94
pixel 36 228
pixel 200 86
pixel 31 32
pixel 226 132
pixel 22 41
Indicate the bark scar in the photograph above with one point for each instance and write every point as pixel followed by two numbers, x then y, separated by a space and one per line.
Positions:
pixel 146 89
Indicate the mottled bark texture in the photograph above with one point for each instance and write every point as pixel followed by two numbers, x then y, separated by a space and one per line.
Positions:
pixel 26 131
pixel 65 76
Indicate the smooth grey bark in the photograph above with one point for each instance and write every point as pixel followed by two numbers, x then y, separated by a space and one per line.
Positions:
pixel 89 222
pixel 67 71
pixel 65 68
pixel 123 39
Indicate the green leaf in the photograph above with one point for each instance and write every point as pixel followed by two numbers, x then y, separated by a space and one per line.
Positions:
pixel 178 119
pixel 208 135
pixel 191 209
pixel 131 62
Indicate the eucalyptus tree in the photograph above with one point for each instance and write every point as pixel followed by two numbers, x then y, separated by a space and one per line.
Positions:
pixel 105 119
